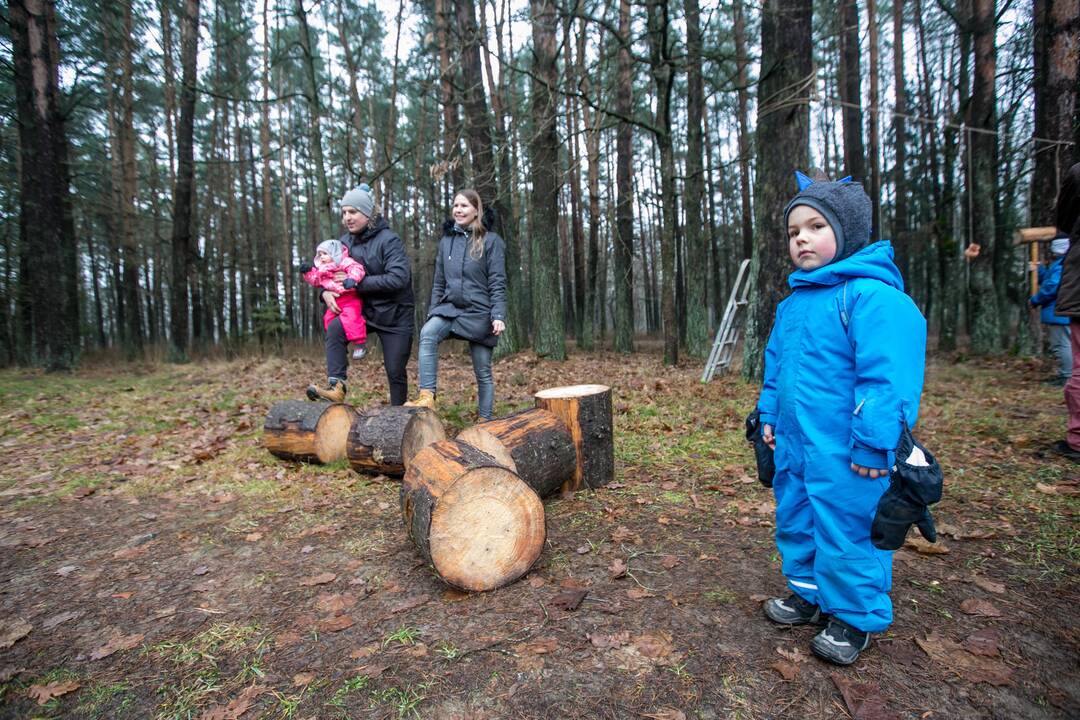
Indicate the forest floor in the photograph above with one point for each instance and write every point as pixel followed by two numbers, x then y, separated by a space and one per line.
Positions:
pixel 158 563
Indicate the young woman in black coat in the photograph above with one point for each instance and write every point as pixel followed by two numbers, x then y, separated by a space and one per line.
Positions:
pixel 468 300
pixel 387 294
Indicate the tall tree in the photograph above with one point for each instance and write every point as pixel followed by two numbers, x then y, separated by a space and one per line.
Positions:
pixel 325 219
pixel 782 140
pixel 183 248
pixel 132 331
pixel 743 90
pixel 697 257
pixel 1056 42
pixel 875 120
pixel 900 220
pixel 851 91
pixel 982 183
pixel 663 71
pixel 549 339
pixel 624 209
pixel 45 218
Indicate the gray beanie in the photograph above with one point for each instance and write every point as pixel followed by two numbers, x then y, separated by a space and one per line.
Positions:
pixel 360 197
pixel 844 205
pixel 334 248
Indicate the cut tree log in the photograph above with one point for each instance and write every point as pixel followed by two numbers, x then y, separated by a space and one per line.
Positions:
pixel 473 519
pixel 534 443
pixel 586 410
pixel 308 431
pixel 385 439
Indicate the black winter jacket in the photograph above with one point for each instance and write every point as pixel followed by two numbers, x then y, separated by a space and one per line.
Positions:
pixel 469 291
pixel 387 288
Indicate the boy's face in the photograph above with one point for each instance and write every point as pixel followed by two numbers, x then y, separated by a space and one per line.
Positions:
pixel 323 258
pixel 811 240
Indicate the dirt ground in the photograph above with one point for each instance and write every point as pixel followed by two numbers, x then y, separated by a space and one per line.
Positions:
pixel 158 563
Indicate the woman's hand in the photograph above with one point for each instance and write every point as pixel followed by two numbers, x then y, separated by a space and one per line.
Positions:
pixel 869 472
pixel 767 436
pixel 497 326
pixel 330 298
pixel 340 276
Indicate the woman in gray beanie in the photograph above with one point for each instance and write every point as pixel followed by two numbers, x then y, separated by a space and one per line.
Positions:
pixel 387 294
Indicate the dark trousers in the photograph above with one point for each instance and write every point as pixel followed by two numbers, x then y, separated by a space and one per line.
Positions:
pixel 396 348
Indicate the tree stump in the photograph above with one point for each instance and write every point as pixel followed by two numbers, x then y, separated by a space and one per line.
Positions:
pixel 308 431
pixel 385 439
pixel 586 410
pixel 473 519
pixel 534 443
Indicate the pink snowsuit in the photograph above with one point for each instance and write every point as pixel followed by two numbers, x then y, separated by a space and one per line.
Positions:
pixel 352 320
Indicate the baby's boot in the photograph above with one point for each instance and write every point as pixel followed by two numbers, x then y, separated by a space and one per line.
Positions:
pixel 334 390
pixel 359 351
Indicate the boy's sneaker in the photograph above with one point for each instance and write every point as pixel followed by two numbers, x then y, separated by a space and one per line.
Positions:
pixel 793 610
pixel 839 643
pixel 334 391
pixel 359 352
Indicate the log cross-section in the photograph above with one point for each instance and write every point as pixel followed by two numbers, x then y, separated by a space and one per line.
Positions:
pixel 586 410
pixel 473 519
pixel 385 439
pixel 308 431
pixel 534 443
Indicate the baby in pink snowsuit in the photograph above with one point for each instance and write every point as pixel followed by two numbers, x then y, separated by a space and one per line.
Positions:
pixel 331 258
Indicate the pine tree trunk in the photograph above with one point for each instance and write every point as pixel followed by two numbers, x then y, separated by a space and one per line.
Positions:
pixel 45 219
pixel 1056 39
pixel 875 121
pixel 697 256
pixel 743 82
pixel 325 219
pixel 624 209
pixel 451 125
pixel 782 139
pixel 663 72
pixel 851 91
pixel 982 184
pixel 549 340
pixel 901 238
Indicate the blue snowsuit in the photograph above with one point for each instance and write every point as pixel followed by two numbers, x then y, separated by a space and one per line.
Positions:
pixel 843 366
pixel 1046 297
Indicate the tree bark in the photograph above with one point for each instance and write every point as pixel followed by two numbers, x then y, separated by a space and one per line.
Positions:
pixel 663 72
pixel 451 125
pixel 549 340
pixel 901 239
pixel 183 248
pixel 697 256
pixel 851 91
pixel 782 139
pixel 743 82
pixel 875 121
pixel 624 209
pixel 45 219
pixel 982 184
pixel 326 220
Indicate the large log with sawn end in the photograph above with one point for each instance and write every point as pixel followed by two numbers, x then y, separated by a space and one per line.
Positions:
pixel 534 443
pixel 586 410
pixel 308 431
pixel 473 519
pixel 385 439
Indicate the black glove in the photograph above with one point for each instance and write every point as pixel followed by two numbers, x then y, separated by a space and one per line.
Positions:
pixel 349 284
pixel 305 268
pixel 763 454
pixel 911 489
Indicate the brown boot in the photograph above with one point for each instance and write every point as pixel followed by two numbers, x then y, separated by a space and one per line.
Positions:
pixel 425 399
pixel 334 390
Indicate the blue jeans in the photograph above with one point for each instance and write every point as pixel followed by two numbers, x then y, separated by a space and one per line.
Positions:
pixel 1061 349
pixel 437 329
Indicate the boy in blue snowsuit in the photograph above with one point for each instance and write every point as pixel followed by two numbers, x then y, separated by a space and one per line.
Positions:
pixel 1046 298
pixel 843 370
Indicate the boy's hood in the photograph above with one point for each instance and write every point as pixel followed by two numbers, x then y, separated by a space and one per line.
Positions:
pixel 873 261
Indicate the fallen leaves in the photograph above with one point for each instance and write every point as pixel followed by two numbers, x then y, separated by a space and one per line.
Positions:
pixel 924 547
pixel 985 642
pixel 115 644
pixel 603 642
pixel 14 631
pixel 639 593
pixel 954 657
pixel 320 579
pixel 570 599
pixel 618 568
pixel 666 714
pixel 334 604
pixel 336 623
pixel 44 693
pixel 863 700
pixel 976 606
pixel 60 619
pixel 237 707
